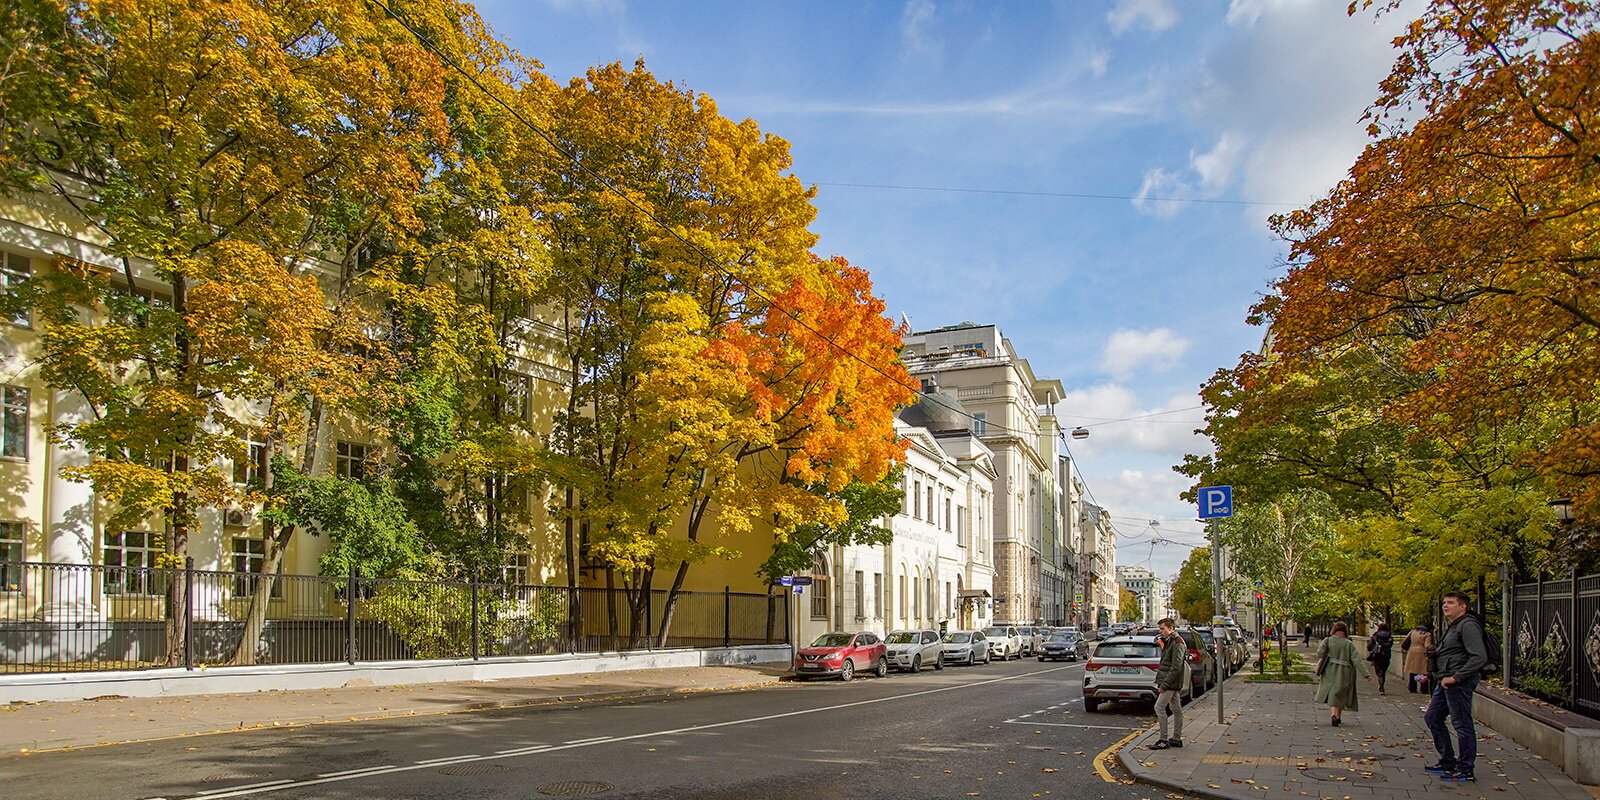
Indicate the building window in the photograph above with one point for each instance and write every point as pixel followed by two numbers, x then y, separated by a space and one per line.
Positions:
pixel 916 597
pixel 949 523
pixel 249 562
pixel 947 606
pixel 15 269
pixel 819 589
pixel 861 594
pixel 916 500
pixel 515 571
pixel 350 461
pixel 519 396
pixel 962 525
pixel 933 514
pixel 13 540
pixel 252 469
pixel 14 423
pixel 980 423
pixel 877 595
pixel 903 605
pixel 131 556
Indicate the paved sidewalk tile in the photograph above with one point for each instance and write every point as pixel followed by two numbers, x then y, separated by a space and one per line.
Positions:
pixel 29 727
pixel 1277 743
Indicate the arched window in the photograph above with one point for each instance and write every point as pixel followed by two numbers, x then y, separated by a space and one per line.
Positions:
pixel 819 588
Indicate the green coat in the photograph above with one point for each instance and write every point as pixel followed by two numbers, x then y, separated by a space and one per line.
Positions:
pixel 1338 684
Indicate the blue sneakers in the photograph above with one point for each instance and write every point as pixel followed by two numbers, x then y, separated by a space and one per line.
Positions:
pixel 1439 769
pixel 1459 776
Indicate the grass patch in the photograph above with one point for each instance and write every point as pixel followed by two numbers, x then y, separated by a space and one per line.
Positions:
pixel 1278 677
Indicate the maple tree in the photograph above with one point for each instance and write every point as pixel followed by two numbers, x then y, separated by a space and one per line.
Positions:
pixel 1191 591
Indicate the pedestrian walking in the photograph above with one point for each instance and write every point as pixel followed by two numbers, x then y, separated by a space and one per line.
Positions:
pixel 1457 663
pixel 1169 680
pixel 1337 666
pixel 1380 648
pixel 1415 650
pixel 1308 634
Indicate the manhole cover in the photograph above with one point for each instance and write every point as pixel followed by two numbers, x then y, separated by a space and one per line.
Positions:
pixel 224 777
pixel 473 769
pixel 1343 776
pixel 574 788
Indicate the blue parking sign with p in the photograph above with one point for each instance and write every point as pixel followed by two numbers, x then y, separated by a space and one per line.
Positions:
pixel 1216 502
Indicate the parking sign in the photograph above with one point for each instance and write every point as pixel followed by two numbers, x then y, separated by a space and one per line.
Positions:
pixel 1216 502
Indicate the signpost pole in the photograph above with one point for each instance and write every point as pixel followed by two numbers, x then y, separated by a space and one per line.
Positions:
pixel 1216 502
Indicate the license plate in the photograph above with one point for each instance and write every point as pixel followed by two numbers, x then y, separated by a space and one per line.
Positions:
pixel 1124 670
pixel 809 666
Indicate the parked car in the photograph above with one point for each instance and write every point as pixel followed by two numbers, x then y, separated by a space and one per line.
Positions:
pixel 843 654
pixel 1032 639
pixel 1124 668
pixel 1102 634
pixel 1203 665
pixel 1209 640
pixel 966 647
pixel 913 650
pixel 1004 641
pixel 1238 651
pixel 1063 645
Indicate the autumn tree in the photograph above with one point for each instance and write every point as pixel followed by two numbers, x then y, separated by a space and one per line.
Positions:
pixel 1130 608
pixel 1278 544
pixel 1191 592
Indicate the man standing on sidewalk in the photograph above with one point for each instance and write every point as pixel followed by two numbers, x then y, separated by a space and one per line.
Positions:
pixel 1169 681
pixel 1457 661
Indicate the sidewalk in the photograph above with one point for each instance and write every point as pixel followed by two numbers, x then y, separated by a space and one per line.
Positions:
pixel 32 727
pixel 1278 743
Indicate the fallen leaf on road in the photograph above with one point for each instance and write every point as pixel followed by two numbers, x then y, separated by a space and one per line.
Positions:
pixel 1050 769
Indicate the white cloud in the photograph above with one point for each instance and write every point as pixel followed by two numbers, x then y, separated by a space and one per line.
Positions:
pixel 1207 174
pixel 1216 166
pixel 915 19
pixel 1244 13
pixel 1119 424
pixel 1098 61
pixel 1155 15
pixel 1130 351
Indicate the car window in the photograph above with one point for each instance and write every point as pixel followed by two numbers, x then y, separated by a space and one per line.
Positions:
pixel 1062 637
pixel 867 638
pixel 994 631
pixel 929 637
pixel 958 638
pixel 901 637
pixel 832 640
pixel 1127 650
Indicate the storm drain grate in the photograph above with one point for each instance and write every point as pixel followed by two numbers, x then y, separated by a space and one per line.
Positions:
pixel 574 788
pixel 225 777
pixel 473 769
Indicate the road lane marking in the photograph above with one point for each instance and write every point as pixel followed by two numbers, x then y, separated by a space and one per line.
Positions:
pixel 354 771
pixel 1037 724
pixel 588 740
pixel 1100 758
pixel 243 792
pixel 428 762
pixel 210 792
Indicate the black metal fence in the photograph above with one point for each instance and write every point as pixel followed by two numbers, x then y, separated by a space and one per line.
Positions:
pixel 1555 641
pixel 72 617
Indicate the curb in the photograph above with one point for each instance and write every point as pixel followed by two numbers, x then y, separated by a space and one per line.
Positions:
pixel 459 708
pixel 1145 775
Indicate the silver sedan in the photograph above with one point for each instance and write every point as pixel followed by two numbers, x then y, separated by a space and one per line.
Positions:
pixel 966 647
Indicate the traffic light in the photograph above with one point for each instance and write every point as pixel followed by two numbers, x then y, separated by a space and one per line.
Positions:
pixel 1260 596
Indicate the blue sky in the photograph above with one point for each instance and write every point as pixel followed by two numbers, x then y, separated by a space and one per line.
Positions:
pixel 1133 301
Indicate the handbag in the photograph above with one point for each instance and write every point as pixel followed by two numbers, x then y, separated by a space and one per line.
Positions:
pixel 1322 666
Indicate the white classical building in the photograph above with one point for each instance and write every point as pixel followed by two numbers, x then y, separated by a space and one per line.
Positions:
pixel 939 569
pixel 1146 586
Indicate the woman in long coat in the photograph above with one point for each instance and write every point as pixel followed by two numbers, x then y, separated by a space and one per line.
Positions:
pixel 1338 685
pixel 1416 646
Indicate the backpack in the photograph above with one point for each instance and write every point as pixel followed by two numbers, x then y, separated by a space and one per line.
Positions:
pixel 1491 643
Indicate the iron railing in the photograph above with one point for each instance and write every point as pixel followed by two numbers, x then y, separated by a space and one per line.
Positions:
pixel 81 617
pixel 1555 641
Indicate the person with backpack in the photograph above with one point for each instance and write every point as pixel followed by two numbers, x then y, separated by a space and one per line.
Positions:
pixel 1380 649
pixel 1456 666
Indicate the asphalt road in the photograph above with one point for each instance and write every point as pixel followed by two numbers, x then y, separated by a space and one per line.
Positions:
pixel 1013 730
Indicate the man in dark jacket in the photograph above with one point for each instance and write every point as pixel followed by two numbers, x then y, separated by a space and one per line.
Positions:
pixel 1169 682
pixel 1457 660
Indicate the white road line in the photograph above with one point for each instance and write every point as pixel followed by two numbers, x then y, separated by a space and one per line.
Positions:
pixel 212 792
pixel 1069 725
pixel 524 751
pixel 588 740
pixel 428 762
pixel 245 791
pixel 354 771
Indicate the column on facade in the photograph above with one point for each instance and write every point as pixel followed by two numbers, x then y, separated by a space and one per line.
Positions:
pixel 69 590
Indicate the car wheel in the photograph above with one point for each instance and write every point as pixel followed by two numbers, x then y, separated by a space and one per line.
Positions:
pixel 1091 704
pixel 1041 659
pixel 987 657
pixel 883 668
pixel 938 663
pixel 847 671
pixel 916 663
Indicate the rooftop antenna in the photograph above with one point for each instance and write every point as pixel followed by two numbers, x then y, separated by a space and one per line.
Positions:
pixel 906 320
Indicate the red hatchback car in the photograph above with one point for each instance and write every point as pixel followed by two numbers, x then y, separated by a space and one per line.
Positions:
pixel 843 654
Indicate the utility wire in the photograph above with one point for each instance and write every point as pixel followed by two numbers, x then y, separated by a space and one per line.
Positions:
pixel 1073 195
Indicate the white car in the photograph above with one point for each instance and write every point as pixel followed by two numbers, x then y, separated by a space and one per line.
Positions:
pixel 1032 639
pixel 913 650
pixel 1004 641
pixel 966 647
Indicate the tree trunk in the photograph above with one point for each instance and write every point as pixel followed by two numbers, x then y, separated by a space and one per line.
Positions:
pixel 696 516
pixel 179 514
pixel 611 607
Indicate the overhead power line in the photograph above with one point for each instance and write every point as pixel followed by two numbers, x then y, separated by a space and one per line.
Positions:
pixel 1071 195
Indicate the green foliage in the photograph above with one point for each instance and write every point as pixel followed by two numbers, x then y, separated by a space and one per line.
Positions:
pixel 1544 674
pixel 1191 592
pixel 1281 544
pixel 365 522
pixel 1130 609
pixel 866 504
pixel 435 619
